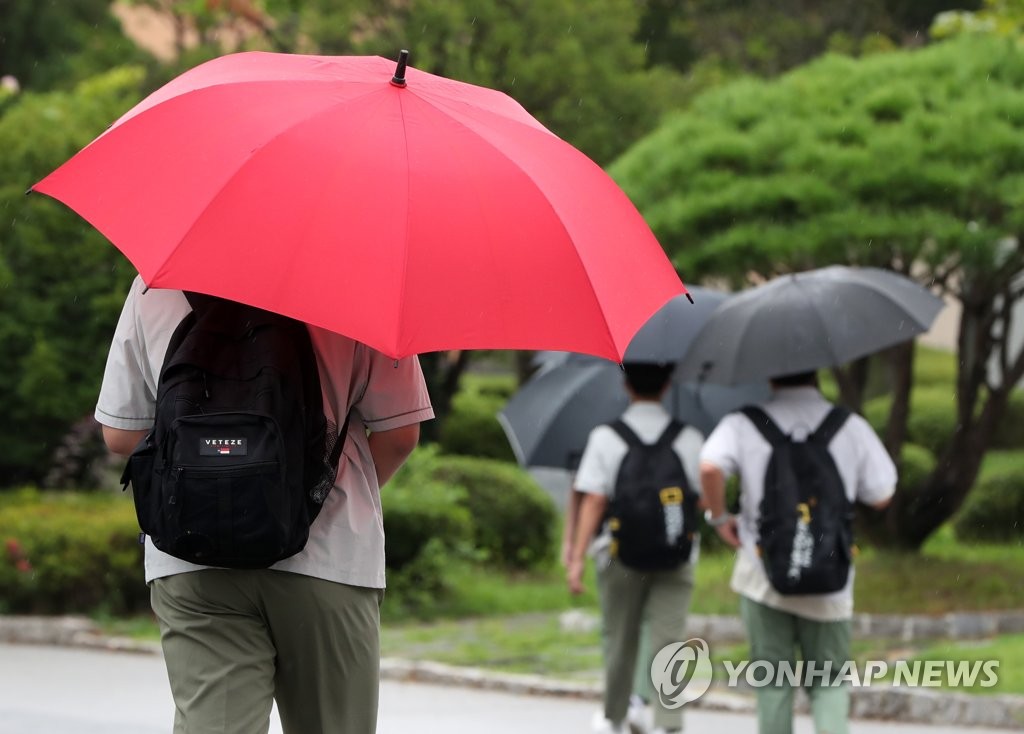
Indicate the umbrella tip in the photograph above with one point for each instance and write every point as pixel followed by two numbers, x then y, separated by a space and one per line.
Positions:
pixel 689 297
pixel 399 78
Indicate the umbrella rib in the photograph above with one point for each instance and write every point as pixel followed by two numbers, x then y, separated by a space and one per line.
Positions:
pixel 547 201
pixel 405 251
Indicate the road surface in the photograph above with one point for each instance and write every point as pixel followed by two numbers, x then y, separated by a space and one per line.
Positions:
pixel 53 690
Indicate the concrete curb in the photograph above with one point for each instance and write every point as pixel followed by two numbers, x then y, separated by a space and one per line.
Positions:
pixel 924 706
pixel 902 627
pixel 720 628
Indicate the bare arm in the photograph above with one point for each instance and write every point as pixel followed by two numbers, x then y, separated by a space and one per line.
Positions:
pixel 120 441
pixel 572 512
pixel 390 449
pixel 712 484
pixel 882 504
pixel 591 511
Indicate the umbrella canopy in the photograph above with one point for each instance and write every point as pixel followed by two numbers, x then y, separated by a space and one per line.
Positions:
pixel 549 418
pixel 806 321
pixel 408 211
pixel 665 337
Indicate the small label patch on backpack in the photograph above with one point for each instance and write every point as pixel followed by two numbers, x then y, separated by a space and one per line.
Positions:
pixel 223 447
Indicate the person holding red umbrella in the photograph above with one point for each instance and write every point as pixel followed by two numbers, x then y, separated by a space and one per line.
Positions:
pixel 304 632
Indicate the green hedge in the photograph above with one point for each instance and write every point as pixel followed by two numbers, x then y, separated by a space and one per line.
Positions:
pixel 442 512
pixel 916 465
pixel 994 510
pixel 1010 434
pixel 514 520
pixel 472 428
pixel 932 419
pixel 70 553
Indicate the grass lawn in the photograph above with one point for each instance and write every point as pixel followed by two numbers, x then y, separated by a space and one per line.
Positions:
pixel 494 632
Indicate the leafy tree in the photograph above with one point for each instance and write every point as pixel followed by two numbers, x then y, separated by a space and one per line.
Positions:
pixel 575 66
pixel 767 37
pixel 45 43
pixel 996 17
pixel 910 161
pixel 61 283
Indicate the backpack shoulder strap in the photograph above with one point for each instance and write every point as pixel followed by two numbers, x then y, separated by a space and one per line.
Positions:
pixel 831 424
pixel 669 435
pixel 764 423
pixel 339 444
pixel 625 433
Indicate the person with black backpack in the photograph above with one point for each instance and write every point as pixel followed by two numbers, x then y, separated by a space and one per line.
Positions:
pixel 639 476
pixel 258 446
pixel 802 464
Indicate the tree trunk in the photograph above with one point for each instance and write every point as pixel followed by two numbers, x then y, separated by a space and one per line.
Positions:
pixel 852 382
pixel 916 512
pixel 901 365
pixel 442 372
pixel 914 515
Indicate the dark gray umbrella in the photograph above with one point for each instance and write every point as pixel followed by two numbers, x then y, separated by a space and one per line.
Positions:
pixel 549 418
pixel 665 336
pixel 806 321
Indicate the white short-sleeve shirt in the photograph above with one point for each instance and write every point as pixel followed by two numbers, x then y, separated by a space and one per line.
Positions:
pixel 736 446
pixel 605 450
pixel 346 542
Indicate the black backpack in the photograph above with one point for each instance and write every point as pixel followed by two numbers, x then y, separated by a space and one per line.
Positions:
pixel 652 513
pixel 806 524
pixel 241 456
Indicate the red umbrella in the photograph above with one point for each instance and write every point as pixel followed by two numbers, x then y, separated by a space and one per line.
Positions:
pixel 408 211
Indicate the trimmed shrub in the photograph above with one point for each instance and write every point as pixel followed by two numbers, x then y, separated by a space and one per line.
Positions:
pixel 514 519
pixel 915 466
pixel 472 427
pixel 1010 434
pixel 70 553
pixel 427 532
pixel 932 420
pixel 994 510
pixel 416 512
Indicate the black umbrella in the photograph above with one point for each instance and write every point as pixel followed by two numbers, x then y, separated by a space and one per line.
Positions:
pixel 806 321
pixel 548 420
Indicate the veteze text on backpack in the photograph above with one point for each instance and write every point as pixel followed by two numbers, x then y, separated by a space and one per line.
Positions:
pixel 805 528
pixel 652 512
pixel 241 457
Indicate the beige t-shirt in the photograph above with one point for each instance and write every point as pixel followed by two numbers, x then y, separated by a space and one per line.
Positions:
pixel 737 447
pixel 346 542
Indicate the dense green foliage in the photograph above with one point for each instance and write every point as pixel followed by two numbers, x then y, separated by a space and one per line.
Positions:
pixel 61 283
pixel 879 161
pixel 909 161
pixel 513 519
pixel 575 66
pixel 51 43
pixel 995 510
pixel 70 554
pixel 932 419
pixel 472 427
pixel 495 506
pixel 443 514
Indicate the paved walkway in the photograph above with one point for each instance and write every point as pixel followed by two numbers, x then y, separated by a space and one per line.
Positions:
pixel 58 690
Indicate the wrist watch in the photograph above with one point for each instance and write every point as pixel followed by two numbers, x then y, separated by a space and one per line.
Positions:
pixel 716 522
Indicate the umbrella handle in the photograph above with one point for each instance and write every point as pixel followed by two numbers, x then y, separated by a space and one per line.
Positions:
pixel 399 78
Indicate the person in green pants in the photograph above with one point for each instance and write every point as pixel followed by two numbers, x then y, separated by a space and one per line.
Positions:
pixel 779 626
pixel 629 596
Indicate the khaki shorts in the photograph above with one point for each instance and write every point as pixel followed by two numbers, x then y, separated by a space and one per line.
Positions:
pixel 235 641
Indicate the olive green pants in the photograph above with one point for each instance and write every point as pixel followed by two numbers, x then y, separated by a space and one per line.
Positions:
pixel 628 599
pixel 775 636
pixel 236 641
